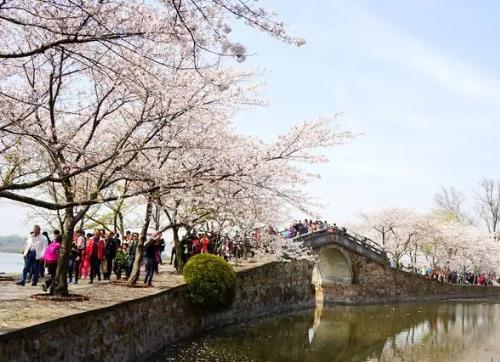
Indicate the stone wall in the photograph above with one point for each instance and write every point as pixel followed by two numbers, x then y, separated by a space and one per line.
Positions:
pixel 374 283
pixel 135 330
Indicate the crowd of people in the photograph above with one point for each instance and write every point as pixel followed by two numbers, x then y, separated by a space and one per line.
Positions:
pixel 99 254
pixel 299 227
pixel 92 255
pixel 228 248
pixel 240 246
pixel 453 277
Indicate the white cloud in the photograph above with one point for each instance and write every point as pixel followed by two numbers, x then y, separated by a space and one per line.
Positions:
pixel 379 40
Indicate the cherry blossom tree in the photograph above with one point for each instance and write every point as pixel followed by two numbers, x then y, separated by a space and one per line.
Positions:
pixel 106 101
pixel 84 139
pixel 88 34
pixel 446 244
pixel 395 229
pixel 463 247
pixel 200 27
pixel 238 182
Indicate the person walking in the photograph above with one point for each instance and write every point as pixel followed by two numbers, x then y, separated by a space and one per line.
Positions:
pixel 73 256
pixel 95 254
pixel 80 244
pixel 36 244
pixel 196 246
pixel 150 248
pixel 85 263
pixel 110 251
pixel 42 267
pixel 204 244
pixel 50 257
pixel 158 250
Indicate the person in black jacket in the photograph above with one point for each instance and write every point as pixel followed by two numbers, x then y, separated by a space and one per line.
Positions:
pixel 110 252
pixel 73 262
pixel 151 248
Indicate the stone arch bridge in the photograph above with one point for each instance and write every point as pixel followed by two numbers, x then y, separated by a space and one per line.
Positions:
pixel 341 255
pixel 351 269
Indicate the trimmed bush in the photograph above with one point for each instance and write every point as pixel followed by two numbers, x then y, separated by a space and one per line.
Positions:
pixel 211 282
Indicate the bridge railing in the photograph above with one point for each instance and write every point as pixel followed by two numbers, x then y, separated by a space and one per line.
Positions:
pixel 353 237
pixel 366 243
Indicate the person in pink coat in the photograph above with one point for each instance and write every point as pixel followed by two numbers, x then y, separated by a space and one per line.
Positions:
pixel 49 257
pixel 85 264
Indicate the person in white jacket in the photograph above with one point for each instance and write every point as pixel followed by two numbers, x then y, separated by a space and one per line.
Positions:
pixel 36 244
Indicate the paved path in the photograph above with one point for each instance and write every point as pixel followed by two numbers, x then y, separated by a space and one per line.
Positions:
pixel 18 310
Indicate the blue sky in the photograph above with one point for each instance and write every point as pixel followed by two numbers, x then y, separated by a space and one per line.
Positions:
pixel 419 78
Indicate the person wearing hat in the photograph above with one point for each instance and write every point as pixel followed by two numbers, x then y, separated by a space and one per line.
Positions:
pixel 150 254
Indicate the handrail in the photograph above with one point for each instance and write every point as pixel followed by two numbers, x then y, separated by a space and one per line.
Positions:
pixel 367 240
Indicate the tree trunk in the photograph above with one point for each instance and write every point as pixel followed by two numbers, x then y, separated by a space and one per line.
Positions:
pixel 61 224
pixel 115 222
pixel 178 248
pixel 136 269
pixel 157 216
pixel 61 277
pixel 415 257
pixel 121 224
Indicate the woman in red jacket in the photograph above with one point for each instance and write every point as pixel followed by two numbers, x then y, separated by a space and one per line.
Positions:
pixel 95 252
pixel 204 244
pixel 196 246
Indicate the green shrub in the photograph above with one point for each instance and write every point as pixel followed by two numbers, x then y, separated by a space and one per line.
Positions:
pixel 211 282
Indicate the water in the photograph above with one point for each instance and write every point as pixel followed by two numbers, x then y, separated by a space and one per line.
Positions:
pixel 11 262
pixel 409 332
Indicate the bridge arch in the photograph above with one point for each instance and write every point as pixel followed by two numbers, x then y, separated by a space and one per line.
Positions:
pixel 334 266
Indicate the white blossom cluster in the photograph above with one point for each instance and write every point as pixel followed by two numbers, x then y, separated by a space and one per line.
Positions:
pixel 430 239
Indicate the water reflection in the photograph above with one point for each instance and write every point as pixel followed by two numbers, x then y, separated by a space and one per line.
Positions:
pixel 409 332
